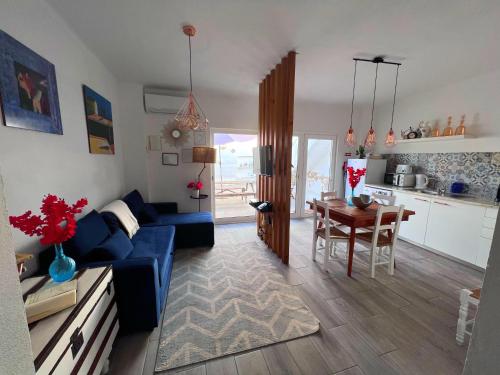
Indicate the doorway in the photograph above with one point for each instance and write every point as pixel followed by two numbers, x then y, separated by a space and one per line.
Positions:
pixel 234 179
pixel 313 169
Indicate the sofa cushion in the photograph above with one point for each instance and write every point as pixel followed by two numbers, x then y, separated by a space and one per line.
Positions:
pixel 148 214
pixel 116 247
pixel 155 242
pixel 184 218
pixel 112 221
pixel 134 202
pixel 91 230
pixel 191 229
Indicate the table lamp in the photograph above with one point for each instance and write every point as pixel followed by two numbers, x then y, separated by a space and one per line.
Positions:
pixel 204 155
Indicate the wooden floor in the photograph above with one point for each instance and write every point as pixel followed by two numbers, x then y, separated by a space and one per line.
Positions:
pixel 404 324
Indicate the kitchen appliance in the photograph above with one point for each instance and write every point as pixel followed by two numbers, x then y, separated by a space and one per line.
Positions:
pixel 404 169
pixel 370 190
pixel 404 180
pixel 388 178
pixel 421 181
pixel 375 170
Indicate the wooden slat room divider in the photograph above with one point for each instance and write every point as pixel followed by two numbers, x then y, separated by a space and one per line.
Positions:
pixel 276 100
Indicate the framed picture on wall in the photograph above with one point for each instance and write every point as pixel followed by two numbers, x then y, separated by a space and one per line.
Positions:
pixel 170 158
pixel 200 138
pixel 28 88
pixel 99 122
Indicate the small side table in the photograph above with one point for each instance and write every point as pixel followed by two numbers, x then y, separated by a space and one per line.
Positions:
pixel 202 196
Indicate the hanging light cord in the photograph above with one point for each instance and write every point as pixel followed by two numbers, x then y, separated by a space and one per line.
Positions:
pixel 190 74
pixel 353 89
pixel 374 91
pixel 394 100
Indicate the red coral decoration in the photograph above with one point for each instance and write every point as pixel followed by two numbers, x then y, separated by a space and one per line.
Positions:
pixel 57 225
pixel 355 176
pixel 198 185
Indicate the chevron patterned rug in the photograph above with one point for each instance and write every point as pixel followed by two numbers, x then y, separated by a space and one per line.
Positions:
pixel 227 300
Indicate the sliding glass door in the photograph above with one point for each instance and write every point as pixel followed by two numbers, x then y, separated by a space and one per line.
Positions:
pixel 315 169
pixel 234 180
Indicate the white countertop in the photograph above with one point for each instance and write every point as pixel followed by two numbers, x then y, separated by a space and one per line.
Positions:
pixel 468 200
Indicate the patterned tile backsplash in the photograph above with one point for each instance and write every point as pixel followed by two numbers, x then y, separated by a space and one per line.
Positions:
pixel 479 170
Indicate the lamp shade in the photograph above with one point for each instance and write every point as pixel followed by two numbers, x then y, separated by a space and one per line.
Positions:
pixel 204 155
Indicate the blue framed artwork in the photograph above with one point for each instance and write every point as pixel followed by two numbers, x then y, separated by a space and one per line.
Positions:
pixel 99 122
pixel 28 88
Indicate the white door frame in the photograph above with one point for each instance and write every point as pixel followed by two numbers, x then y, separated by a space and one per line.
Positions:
pixel 229 220
pixel 301 187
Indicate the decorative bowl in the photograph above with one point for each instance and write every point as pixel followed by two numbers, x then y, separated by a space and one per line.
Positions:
pixel 363 201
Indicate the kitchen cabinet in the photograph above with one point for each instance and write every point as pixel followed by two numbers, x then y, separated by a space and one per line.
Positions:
pixel 449 226
pixel 454 228
pixel 486 236
pixel 415 228
pixel 483 252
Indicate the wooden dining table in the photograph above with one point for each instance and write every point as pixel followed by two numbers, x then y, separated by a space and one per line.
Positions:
pixel 354 218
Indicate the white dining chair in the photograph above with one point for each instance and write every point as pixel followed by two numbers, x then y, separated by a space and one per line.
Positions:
pixel 380 240
pixel 385 200
pixel 468 297
pixel 329 233
pixel 327 196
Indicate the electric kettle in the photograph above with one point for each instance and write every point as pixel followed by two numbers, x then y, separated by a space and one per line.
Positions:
pixel 421 181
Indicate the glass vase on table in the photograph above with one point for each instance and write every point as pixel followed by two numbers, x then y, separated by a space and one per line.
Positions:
pixel 349 198
pixel 62 267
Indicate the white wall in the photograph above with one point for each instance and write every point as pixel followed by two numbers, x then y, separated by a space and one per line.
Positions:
pixel 144 171
pixel 33 163
pixel 476 97
pixel 15 346
pixel 482 354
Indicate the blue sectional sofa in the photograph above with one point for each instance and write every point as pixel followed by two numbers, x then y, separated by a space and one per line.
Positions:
pixel 142 265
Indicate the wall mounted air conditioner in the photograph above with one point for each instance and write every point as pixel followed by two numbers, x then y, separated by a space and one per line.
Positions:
pixel 163 101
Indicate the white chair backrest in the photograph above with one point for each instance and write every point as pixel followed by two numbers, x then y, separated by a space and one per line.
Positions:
pixel 393 226
pixel 386 200
pixel 327 195
pixel 325 220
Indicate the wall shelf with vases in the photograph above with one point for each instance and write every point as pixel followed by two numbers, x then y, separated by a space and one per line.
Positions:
pixel 435 139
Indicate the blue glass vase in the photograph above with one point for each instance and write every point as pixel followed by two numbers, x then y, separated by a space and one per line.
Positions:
pixel 349 199
pixel 62 267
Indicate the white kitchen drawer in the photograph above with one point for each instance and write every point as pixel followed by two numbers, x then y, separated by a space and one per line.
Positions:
pixel 415 228
pixel 491 212
pixel 489 222
pixel 454 229
pixel 487 233
pixel 484 247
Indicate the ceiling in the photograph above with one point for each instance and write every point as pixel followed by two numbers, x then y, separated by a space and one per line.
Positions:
pixel 239 41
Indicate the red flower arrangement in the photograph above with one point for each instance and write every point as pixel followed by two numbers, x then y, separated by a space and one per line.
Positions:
pixel 56 226
pixel 355 176
pixel 197 185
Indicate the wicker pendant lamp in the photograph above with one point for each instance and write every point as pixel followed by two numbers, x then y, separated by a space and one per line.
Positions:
pixel 191 115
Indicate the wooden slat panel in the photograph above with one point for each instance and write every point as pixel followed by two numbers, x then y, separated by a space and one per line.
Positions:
pixel 276 97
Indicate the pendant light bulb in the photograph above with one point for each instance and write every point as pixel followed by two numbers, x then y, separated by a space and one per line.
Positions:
pixel 371 139
pixel 350 138
pixel 390 139
pixel 371 136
